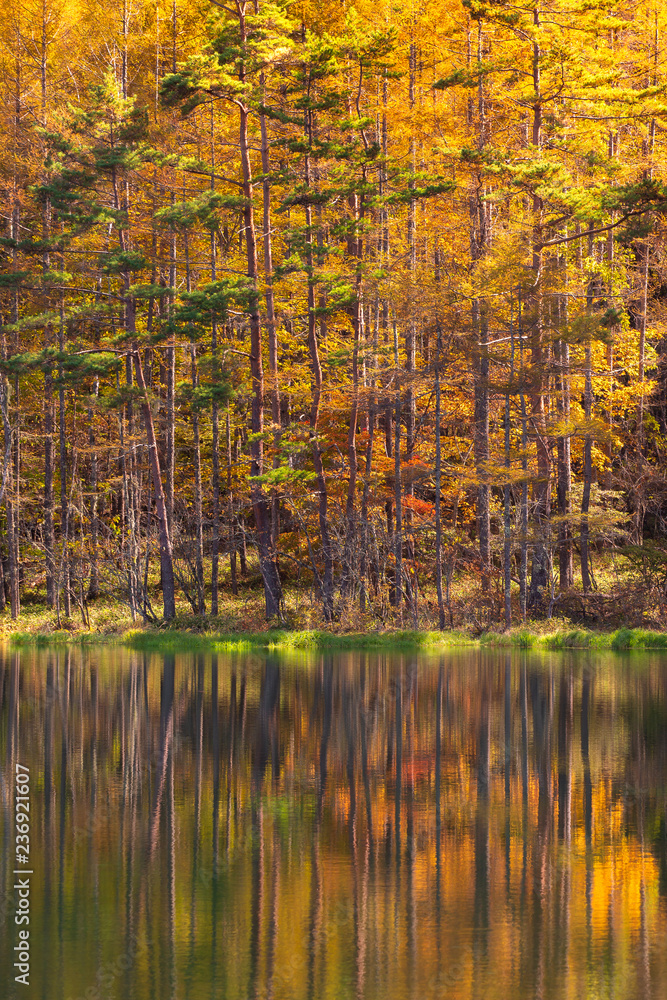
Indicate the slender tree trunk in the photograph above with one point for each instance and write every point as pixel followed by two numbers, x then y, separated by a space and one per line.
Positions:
pixel 564 468
pixel 266 551
pixel 438 502
pixel 166 558
pixel 49 503
pixel 260 504
pixel 411 332
pixel 171 405
pixel 231 532
pixel 350 516
pixel 479 240
pixel 199 516
pixel 49 413
pixel 271 323
pixel 398 533
pixel 507 518
pixel 215 419
pixel 541 513
pixel 523 566
pixel 94 587
pixel 481 441
pixel 316 370
pixel 64 503
pixel 588 475
pixel 365 573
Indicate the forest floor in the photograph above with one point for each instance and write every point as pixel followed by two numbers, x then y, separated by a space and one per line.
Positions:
pixel 618 615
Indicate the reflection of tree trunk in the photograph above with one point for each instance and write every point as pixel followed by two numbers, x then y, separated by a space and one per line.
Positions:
pixel 482 818
pixel 171 872
pixel 438 811
pixel 165 745
pixel 398 710
pixel 63 792
pixel 272 938
pixel 523 703
pixel 507 763
pixel 231 729
pixel 564 871
pixel 315 911
pixel 542 740
pixel 438 761
pixel 588 789
pixel 12 719
pixel 363 709
pixel 215 741
pixel 48 744
pixel 199 750
pixel 349 736
pixel 327 685
pixel 540 699
pixel 256 897
pixel 588 807
pixel 564 778
pixel 265 737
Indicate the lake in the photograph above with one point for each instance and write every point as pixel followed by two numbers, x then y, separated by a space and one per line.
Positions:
pixel 466 825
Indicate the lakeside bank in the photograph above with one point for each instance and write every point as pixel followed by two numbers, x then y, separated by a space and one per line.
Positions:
pixel 179 639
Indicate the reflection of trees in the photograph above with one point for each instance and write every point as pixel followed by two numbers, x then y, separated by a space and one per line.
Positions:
pixel 469 769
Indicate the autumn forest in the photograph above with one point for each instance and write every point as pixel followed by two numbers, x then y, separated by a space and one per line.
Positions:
pixel 348 297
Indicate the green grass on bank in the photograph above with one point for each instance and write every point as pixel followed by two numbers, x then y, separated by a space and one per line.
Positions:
pixel 311 639
pixel 181 640
pixel 620 639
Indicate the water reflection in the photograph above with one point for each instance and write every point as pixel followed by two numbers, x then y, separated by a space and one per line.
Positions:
pixel 476 825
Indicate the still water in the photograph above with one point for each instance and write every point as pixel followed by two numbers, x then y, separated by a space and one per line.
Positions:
pixel 470 825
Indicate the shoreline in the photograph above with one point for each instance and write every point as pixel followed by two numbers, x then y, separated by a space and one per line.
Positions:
pixel 179 640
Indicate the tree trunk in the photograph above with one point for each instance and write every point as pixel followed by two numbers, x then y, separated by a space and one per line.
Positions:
pixel 541 513
pixel 565 569
pixel 199 525
pixel 507 518
pixel 588 475
pixel 64 505
pixel 479 241
pixel 215 420
pixel 271 323
pixel 481 440
pixel 49 503
pixel 94 586
pixel 523 565
pixel 438 506
pixel 316 369
pixel 231 532
pixel 166 558
pixel 261 506
pixel 398 533
pixel 171 405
